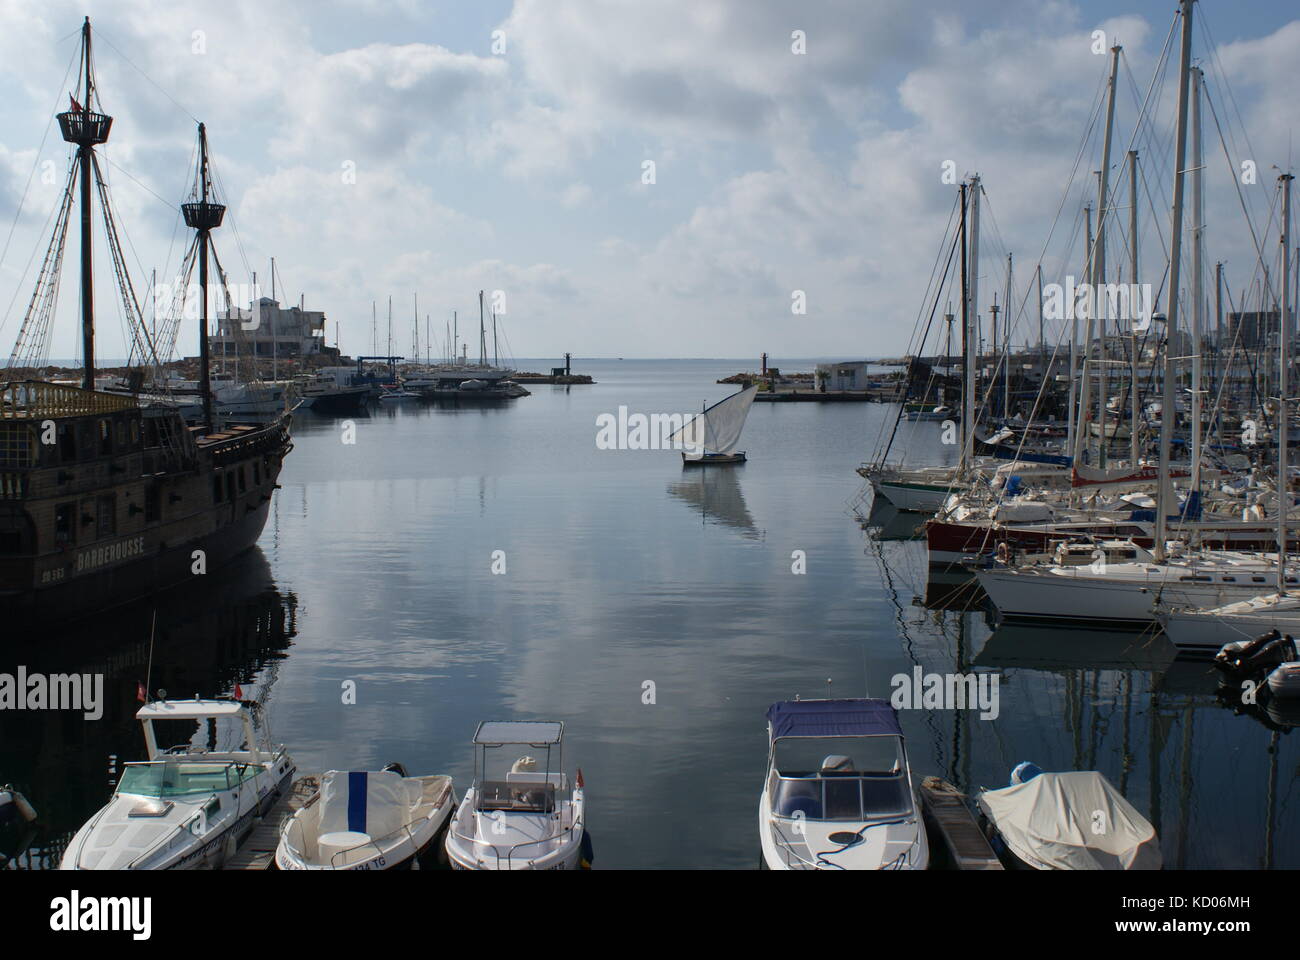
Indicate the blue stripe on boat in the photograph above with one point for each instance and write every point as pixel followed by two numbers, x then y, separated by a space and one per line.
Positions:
pixel 357 802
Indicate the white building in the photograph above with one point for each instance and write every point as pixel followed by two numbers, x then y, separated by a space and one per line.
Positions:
pixel 266 330
pixel 849 375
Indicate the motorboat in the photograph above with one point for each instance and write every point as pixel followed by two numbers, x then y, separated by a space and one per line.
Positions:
pixel 1067 821
pixel 186 806
pixel 393 392
pixel 366 820
pixel 520 813
pixel 839 793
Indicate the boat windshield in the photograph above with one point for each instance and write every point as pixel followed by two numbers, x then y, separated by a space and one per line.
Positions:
pixel 176 778
pixel 840 778
pixel 516 796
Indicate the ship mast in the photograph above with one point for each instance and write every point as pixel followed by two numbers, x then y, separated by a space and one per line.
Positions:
pixel 203 217
pixel 85 128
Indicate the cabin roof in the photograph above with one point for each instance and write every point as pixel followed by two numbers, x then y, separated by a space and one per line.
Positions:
pixel 833 718
pixel 496 732
pixel 189 709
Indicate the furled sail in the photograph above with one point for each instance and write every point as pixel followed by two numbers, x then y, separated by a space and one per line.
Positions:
pixel 718 428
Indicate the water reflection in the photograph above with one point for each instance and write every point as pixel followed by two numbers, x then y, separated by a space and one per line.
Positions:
pixel 715 493
pixel 235 628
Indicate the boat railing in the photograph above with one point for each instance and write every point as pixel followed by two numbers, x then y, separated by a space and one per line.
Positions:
pixel 563 835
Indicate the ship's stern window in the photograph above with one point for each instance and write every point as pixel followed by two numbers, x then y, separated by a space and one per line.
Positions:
pixel 67 442
pixel 16 446
pixel 17 535
pixel 65 526
pixel 216 488
pixel 105 438
pixel 107 515
pixel 152 503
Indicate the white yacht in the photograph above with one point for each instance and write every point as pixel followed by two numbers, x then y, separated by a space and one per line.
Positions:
pixel 520 813
pixel 186 806
pixel 839 792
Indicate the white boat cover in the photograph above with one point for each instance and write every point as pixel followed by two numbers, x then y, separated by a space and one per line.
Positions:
pixel 1072 821
pixel 369 802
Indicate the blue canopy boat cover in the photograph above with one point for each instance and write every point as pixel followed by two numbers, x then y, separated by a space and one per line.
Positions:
pixel 833 718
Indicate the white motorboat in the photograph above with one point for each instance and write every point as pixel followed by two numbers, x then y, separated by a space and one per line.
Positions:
pixel 519 814
pixel 839 792
pixel 367 820
pixel 710 438
pixel 1068 821
pixel 394 393
pixel 186 806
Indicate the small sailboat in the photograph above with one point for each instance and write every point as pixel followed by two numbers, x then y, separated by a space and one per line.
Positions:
pixel 186 806
pixel 839 792
pixel 711 436
pixel 366 820
pixel 1067 821
pixel 522 817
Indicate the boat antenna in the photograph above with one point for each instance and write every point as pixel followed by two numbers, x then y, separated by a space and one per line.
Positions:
pixel 148 672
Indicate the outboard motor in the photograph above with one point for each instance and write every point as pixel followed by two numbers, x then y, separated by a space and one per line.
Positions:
pixel 396 768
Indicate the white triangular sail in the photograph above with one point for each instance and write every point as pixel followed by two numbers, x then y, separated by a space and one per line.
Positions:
pixel 718 428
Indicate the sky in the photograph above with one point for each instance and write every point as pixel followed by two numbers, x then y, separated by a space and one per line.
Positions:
pixel 425 151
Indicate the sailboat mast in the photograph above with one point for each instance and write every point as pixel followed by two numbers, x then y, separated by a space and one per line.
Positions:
pixel 205 372
pixel 80 125
pixel 1134 401
pixel 203 216
pixel 1006 343
pixel 967 385
pixel 1197 291
pixel 1164 495
pixel 482 340
pixel 1283 359
pixel 970 321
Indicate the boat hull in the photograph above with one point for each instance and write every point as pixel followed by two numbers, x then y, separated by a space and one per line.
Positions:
pixel 1075 596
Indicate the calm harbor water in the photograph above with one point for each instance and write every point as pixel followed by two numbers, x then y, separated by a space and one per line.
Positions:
pixel 623 570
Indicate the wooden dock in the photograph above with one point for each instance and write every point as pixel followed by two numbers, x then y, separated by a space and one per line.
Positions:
pixel 946 810
pixel 257 852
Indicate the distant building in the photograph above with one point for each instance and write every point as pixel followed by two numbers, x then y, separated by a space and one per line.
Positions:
pixel 849 375
pixel 1251 329
pixel 266 330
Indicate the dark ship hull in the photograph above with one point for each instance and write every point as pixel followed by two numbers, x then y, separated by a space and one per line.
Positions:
pixel 147 504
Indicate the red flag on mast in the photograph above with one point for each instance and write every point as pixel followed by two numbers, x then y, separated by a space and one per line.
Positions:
pixel 76 107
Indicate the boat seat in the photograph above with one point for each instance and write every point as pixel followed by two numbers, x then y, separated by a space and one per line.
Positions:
pixel 371 802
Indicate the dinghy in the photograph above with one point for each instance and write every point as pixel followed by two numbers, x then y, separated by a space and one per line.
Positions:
pixel 520 813
pixel 186 806
pixel 1067 821
pixel 839 792
pixel 368 820
pixel 711 436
